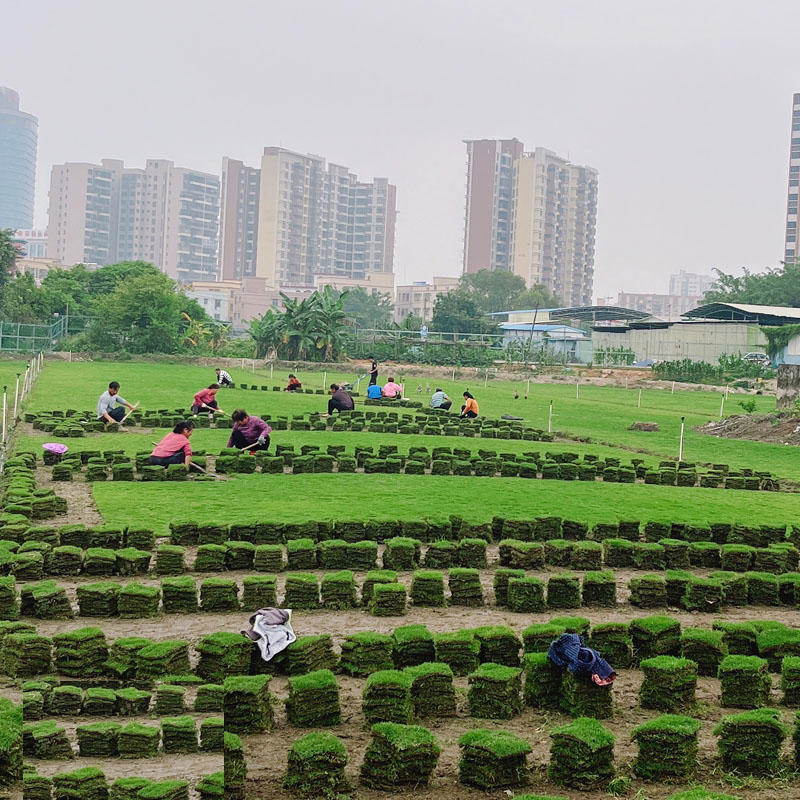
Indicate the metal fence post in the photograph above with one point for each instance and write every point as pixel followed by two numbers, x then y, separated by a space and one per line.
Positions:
pixel 5 406
pixel 16 396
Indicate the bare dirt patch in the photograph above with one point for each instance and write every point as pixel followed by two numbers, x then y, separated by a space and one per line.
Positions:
pixel 780 428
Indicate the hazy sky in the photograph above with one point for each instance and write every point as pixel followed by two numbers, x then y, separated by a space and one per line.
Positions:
pixel 683 107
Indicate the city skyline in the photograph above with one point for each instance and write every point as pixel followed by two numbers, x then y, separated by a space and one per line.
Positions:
pixel 646 98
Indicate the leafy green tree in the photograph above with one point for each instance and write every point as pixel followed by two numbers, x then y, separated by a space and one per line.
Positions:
pixel 412 323
pixel 539 296
pixel 141 315
pixel 267 333
pixel 23 301
pixel 9 252
pixel 491 290
pixel 775 287
pixel 457 313
pixel 368 309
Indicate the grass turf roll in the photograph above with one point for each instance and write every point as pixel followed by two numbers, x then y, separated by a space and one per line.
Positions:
pixel 315 767
pixel 313 700
pixel 495 691
pixel 247 704
pixel 669 683
pixel 412 645
pixel 387 697
pixel 750 742
pixel 399 755
pixel 667 747
pixel 581 755
pixel 706 648
pixel 459 650
pixel 745 681
pixel 492 759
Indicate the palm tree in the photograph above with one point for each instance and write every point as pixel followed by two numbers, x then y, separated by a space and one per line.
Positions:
pixel 331 318
pixel 267 333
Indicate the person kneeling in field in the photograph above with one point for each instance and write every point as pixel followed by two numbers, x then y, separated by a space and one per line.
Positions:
pixel 250 433
pixel 174 448
pixel 293 384
pixel 205 400
pixel 340 400
pixel 224 378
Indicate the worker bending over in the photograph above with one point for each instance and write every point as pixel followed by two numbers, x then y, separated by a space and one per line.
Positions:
pixel 174 448
pixel 205 400
pixel 249 432
pixel 340 400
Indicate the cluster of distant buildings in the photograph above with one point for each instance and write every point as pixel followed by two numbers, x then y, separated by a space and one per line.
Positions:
pixel 295 223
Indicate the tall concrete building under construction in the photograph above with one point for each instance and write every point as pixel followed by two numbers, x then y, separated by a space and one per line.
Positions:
pixel 533 214
pixel 791 250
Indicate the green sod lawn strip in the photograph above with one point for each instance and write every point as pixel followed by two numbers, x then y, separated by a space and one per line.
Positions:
pixel 313 700
pixel 87 783
pixel 581 755
pixel 247 704
pixel 667 747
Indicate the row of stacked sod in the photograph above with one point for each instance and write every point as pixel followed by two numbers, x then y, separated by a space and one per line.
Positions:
pixel 383 594
pixel 48 740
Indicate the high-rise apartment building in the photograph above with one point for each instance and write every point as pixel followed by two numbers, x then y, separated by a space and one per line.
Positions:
pixel 18 142
pixel 319 219
pixel 690 284
pixel 791 250
pixel 238 222
pixel 490 197
pixel 163 214
pixel 532 214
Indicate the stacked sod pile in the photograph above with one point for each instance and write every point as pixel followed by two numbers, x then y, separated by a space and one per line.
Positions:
pixel 138 741
pixel 235 766
pixel 459 650
pixel 613 641
pixel 387 697
pixel 366 652
pixel 413 644
pixel 164 790
pixel 584 698
pixel 432 690
pixel 542 681
pixel 465 587
pixel 98 739
pixel 80 653
pixel 667 747
pixel 654 636
pixel 170 657
pixel 178 734
pixel 170 699
pixel 745 681
pixel 315 767
pixel 427 588
pixel 599 588
pixel 247 704
pixel 493 759
pixel 526 595
pixel 313 700
pixel 669 683
pixel 564 590
pixel 179 595
pixel 46 740
pixel 750 742
pixel 388 600
pixel 498 644
pixel 706 648
pixel 88 783
pixel 223 653
pixel 790 680
pixel 136 600
pixel 259 591
pixel 399 755
pixel 581 755
pixel 307 654
pixel 495 691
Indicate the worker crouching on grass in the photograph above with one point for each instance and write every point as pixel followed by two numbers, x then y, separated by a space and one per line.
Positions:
pixel 205 400
pixel 110 406
pixel 174 448
pixel 249 433
pixel 340 400
pixel 470 408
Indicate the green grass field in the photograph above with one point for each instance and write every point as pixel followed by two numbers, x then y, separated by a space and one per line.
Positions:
pixel 602 414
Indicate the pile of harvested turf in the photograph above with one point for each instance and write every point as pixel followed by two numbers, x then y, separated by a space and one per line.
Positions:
pixel 309 653
pixel 584 698
pixel 495 691
pixel 88 783
pixel 648 591
pixel 80 653
pixel 427 588
pixel 170 699
pixel 704 594
pixel 564 590
pixel 179 595
pixel 247 704
pixel 599 589
pixel 219 594
pixel 493 759
pixel 542 681
pixel 138 741
pixel 498 644
pixel 459 650
pixel 46 740
pixel 136 600
pixel 315 767
pixel 99 702
pixel 165 790
pixel 669 683
pixel 373 577
pixel 170 657
pixel 98 739
pixel 750 742
pixel 235 766
pixel 432 690
pixel 132 702
pixel 613 641
pixel 745 682
pixel 210 787
pixel 706 648
pixel 65 701
pixel 581 755
pixel 654 636
pixel 313 700
pixel 366 652
pixel 667 747
pixel 399 755
pixel 525 595
pixel 502 575
pixel 790 680
pixel 212 730
pixel 412 645
pixel 209 697
pixel 465 587
pixel 179 734
pixel 223 653
pixel 388 600
pixel 387 697
pixel 339 590
pixel 259 591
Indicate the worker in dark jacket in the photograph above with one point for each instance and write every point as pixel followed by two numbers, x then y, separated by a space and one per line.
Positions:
pixel 340 400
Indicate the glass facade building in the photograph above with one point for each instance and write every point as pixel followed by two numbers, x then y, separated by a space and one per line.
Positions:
pixel 18 142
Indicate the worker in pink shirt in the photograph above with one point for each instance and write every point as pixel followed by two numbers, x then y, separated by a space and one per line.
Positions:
pixel 249 432
pixel 205 400
pixel 391 389
pixel 174 448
